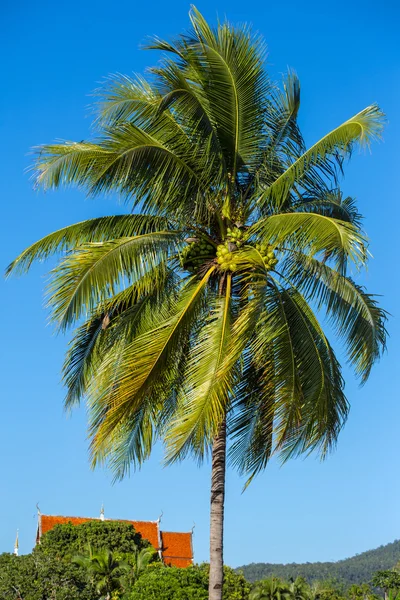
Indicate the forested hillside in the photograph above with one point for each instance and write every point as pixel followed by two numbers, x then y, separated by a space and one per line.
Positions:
pixel 357 569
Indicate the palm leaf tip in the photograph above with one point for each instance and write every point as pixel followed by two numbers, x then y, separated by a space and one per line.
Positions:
pixel 370 123
pixel 292 93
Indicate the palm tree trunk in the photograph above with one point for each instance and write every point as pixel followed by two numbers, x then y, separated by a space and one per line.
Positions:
pixel 217 515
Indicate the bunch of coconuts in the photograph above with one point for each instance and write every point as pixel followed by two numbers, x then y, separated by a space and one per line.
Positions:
pixel 199 250
pixel 268 255
pixel 193 255
pixel 225 258
pixel 236 236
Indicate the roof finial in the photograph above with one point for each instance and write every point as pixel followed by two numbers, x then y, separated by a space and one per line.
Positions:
pixel 194 525
pixel 160 517
pixel 102 512
pixel 16 545
pixel 38 509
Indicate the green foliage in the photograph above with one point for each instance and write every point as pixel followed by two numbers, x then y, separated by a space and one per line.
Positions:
pixel 103 569
pixel 358 569
pixel 269 589
pixel 33 577
pixel 164 583
pixel 298 589
pixel 387 580
pixel 235 585
pixel 65 541
pixel 120 558
pixel 137 562
pixel 329 589
pixel 360 592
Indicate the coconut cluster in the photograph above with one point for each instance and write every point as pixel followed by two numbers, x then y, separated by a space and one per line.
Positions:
pixel 236 236
pixel 193 255
pixel 225 258
pixel 268 255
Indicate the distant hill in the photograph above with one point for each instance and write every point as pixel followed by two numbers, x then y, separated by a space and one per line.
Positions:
pixel 357 569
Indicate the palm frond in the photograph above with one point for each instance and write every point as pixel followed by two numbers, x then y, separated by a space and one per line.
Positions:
pixel 67 163
pixel 122 98
pixel 321 408
pixel 363 128
pixel 93 230
pixel 183 98
pixel 234 83
pixel 252 422
pixel 152 166
pixel 114 320
pixel 282 112
pixel 226 64
pixel 313 233
pixel 81 360
pixel 331 204
pixel 205 395
pixel 148 369
pixel 359 321
pixel 95 271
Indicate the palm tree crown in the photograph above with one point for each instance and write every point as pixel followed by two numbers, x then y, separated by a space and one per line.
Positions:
pixel 104 569
pixel 200 306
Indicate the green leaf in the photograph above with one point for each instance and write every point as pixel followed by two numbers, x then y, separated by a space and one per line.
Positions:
pixel 363 128
pixel 146 370
pixel 95 271
pixel 93 230
pixel 355 314
pixel 116 319
pixel 204 397
pixel 313 234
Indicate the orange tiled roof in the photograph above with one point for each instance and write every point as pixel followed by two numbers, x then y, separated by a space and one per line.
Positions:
pixel 147 529
pixel 177 548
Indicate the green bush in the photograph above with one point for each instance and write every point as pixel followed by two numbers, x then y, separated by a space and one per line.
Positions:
pixel 49 573
pixel 31 578
pixel 166 583
pixel 64 541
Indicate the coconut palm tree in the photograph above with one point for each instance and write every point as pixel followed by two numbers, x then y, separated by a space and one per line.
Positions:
pixel 200 306
pixel 104 570
pixel 360 592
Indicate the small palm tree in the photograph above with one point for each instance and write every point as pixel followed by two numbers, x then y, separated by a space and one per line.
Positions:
pixel 270 589
pixel 104 570
pixel 298 589
pixel 360 592
pixel 201 307
pixel 138 561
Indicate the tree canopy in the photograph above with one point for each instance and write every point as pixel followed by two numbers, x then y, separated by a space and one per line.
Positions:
pixel 355 570
pixel 50 571
pixel 187 584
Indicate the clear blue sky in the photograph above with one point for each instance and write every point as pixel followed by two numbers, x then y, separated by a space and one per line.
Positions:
pixel 53 54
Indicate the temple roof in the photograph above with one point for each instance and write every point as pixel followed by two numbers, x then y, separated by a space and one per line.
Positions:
pixel 175 547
